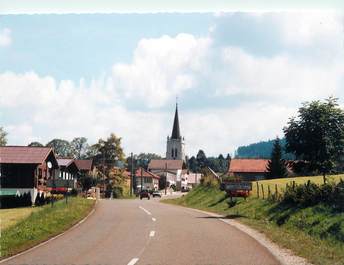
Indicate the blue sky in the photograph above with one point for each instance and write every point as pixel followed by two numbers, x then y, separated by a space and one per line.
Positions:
pixel 239 76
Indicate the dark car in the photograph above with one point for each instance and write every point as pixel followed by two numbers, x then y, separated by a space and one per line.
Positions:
pixel 144 194
pixel 156 194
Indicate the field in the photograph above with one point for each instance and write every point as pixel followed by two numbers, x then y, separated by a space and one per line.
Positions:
pixel 315 233
pixel 41 224
pixel 282 182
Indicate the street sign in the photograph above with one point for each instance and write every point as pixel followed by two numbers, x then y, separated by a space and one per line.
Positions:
pixel 237 188
pixel 236 185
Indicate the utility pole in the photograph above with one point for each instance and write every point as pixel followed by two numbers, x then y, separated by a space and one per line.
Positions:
pixel 165 178
pixel 131 175
pixel 141 178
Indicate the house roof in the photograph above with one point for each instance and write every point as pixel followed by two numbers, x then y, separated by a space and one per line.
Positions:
pixel 161 164
pixel 145 173
pixel 24 154
pixel 84 164
pixel 64 161
pixel 248 165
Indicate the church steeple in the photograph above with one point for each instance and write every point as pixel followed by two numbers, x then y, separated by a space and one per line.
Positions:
pixel 176 129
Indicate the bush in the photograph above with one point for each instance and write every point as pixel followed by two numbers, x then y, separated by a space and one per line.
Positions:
pixel 117 192
pixel 74 192
pixel 310 194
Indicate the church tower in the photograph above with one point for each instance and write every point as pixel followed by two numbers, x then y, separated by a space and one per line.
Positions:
pixel 175 144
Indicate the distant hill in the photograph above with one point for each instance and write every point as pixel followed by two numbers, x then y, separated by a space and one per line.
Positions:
pixel 261 150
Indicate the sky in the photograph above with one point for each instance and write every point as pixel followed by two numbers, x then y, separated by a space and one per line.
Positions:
pixel 238 76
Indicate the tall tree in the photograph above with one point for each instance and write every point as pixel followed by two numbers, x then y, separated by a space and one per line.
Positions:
pixel 108 152
pixel 201 159
pixel 79 147
pixel 36 144
pixel 3 134
pixel 61 147
pixel 317 134
pixel 276 167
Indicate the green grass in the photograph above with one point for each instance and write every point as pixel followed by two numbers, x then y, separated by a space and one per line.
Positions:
pixel 315 233
pixel 9 217
pixel 43 224
pixel 281 183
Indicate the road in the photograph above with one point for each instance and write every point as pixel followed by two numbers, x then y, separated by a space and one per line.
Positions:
pixel 148 232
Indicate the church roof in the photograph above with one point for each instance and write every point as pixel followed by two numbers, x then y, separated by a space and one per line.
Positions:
pixel 156 164
pixel 176 129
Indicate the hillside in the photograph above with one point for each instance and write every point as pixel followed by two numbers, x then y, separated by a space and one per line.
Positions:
pixel 315 233
pixel 261 150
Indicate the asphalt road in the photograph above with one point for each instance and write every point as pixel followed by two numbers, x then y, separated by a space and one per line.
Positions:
pixel 148 232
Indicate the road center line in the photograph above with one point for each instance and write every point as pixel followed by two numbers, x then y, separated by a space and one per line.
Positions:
pixel 146 211
pixel 153 219
pixel 152 233
pixel 133 261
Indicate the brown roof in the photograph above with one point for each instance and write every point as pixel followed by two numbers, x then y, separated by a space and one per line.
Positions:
pixel 248 165
pixel 161 164
pixel 146 174
pixel 24 154
pixel 84 164
pixel 64 161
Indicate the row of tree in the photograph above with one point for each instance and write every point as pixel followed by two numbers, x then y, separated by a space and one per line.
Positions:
pixel 218 164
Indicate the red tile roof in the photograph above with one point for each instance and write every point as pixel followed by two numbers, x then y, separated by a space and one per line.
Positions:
pixel 248 165
pixel 24 154
pixel 84 164
pixel 146 174
pixel 161 164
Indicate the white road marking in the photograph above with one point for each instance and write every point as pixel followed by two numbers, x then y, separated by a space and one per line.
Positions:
pixel 152 233
pixel 146 211
pixel 133 261
pixel 153 219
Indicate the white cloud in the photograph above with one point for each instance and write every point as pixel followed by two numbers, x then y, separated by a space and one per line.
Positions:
pixel 5 37
pixel 277 77
pixel 312 28
pixel 161 68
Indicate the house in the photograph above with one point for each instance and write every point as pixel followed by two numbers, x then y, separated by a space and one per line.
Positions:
pixel 68 171
pixel 248 169
pixel 169 169
pixel 85 166
pixel 146 179
pixel 26 169
pixel 190 179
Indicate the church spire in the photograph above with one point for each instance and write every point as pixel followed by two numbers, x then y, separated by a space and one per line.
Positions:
pixel 176 129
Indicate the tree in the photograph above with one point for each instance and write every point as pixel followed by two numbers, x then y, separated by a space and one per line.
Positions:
pixel 201 159
pixel 36 144
pixel 108 152
pixel 141 160
pixel 317 134
pixel 86 182
pixel 62 148
pixel 276 167
pixel 3 134
pixel 79 147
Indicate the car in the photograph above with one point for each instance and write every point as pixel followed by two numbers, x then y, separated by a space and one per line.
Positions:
pixel 156 194
pixel 144 194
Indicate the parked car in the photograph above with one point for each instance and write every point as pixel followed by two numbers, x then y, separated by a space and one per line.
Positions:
pixel 156 194
pixel 144 194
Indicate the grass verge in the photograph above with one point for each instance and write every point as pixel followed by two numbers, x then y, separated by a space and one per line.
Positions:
pixel 9 217
pixel 315 233
pixel 43 224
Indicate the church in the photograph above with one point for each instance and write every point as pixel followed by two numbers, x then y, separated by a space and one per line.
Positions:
pixel 173 167
pixel 175 144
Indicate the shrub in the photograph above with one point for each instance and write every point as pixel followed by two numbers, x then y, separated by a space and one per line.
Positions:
pixel 74 192
pixel 310 194
pixel 117 192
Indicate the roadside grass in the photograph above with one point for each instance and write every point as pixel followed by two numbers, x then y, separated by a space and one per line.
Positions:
pixel 43 224
pixel 9 217
pixel 282 182
pixel 315 233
